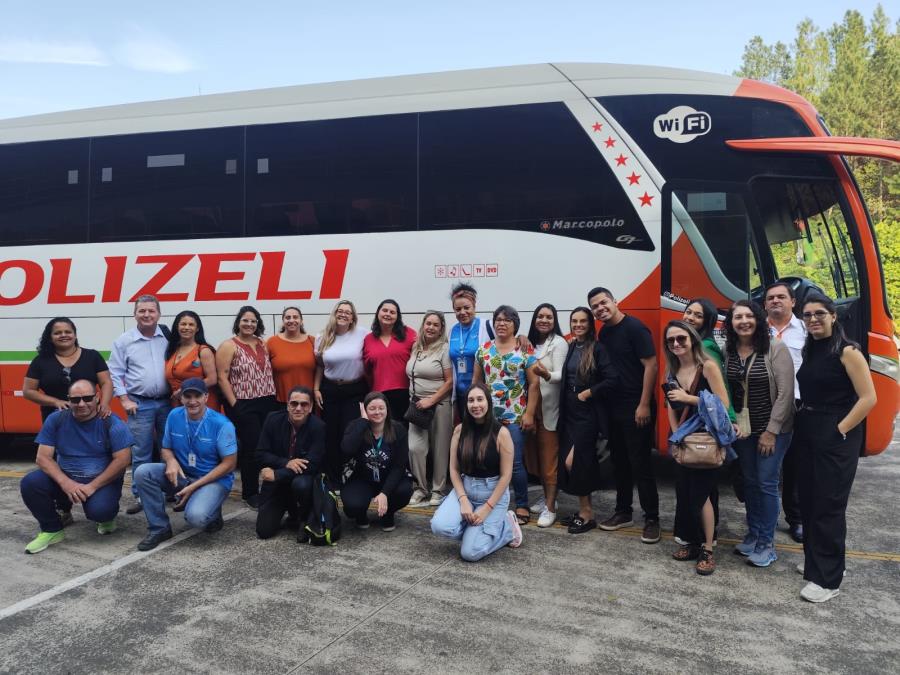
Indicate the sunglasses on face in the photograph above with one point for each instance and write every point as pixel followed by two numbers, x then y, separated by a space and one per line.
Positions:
pixel 78 399
pixel 681 340
pixel 818 315
pixel 299 404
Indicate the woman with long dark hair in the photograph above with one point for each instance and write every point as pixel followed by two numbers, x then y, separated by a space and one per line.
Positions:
pixel 588 379
pixel 60 361
pixel 386 351
pixel 189 355
pixel 760 375
pixel 292 355
pixel 690 371
pixel 542 447
pixel 838 393
pixel 245 380
pixel 376 447
pixel 481 460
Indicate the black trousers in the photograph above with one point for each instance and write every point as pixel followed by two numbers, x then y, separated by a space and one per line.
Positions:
pixel 630 451
pixel 248 416
pixel 358 493
pixel 398 402
pixel 692 488
pixel 340 407
pixel 827 466
pixel 790 487
pixel 291 495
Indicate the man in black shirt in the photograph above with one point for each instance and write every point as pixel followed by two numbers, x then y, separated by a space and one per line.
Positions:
pixel 631 420
pixel 290 450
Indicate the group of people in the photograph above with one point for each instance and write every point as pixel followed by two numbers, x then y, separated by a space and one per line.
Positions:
pixel 373 410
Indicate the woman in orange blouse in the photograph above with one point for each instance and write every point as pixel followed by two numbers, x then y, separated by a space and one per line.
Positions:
pixel 189 355
pixel 291 354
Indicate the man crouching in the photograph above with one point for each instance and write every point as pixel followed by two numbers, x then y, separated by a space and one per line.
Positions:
pixel 199 453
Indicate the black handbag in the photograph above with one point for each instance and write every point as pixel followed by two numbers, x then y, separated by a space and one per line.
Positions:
pixel 421 417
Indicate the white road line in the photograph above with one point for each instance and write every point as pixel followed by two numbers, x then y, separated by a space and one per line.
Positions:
pixel 34 600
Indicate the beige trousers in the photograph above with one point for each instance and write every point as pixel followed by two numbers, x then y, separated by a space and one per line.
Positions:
pixel 436 442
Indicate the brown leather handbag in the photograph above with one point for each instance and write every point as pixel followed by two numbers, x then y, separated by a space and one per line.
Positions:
pixel 699 450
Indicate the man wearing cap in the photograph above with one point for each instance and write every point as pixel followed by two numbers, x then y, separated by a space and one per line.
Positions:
pixel 199 453
pixel 81 459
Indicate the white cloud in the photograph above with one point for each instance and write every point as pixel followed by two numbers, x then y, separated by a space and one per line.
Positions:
pixel 152 53
pixel 23 50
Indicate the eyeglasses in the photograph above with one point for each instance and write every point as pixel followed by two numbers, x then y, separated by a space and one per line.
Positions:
pixel 502 320
pixel 300 404
pixel 679 339
pixel 78 399
pixel 343 312
pixel 818 315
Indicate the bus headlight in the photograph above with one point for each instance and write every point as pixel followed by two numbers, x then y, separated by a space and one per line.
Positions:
pixel 885 366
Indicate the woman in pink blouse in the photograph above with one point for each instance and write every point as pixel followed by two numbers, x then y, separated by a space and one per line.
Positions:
pixel 385 353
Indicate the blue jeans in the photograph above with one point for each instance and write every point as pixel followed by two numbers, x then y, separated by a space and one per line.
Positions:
pixel 519 475
pixel 146 425
pixel 203 507
pixel 478 541
pixel 41 494
pixel 761 474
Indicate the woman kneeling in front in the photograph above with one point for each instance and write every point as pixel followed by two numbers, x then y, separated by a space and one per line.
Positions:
pixel 481 459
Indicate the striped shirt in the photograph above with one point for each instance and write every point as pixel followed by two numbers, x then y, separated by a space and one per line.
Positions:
pixel 758 399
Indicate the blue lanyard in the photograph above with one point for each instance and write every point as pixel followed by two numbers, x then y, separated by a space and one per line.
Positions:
pixel 464 340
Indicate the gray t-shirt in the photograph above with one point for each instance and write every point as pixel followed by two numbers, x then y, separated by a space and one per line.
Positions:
pixel 426 370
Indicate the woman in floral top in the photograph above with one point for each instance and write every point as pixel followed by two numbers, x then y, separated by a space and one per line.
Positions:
pixel 511 374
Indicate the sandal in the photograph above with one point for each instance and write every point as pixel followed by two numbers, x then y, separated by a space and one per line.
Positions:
pixel 523 518
pixel 706 564
pixel 687 552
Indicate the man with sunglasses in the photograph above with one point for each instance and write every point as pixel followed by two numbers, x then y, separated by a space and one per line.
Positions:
pixel 290 451
pixel 199 453
pixel 81 459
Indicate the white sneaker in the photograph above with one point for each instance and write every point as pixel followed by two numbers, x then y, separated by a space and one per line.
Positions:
pixel 539 506
pixel 815 593
pixel 516 528
pixel 547 518
pixel 436 499
pixel 419 498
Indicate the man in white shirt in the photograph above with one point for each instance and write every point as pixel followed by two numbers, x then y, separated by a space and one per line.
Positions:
pixel 785 326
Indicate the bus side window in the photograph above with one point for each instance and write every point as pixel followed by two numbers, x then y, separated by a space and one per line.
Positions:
pixel 808 234
pixel 332 176
pixel 44 192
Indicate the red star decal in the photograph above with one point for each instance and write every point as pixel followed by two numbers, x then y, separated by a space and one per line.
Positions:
pixel 646 200
pixel 597 126
pixel 610 142
pixel 634 179
pixel 621 159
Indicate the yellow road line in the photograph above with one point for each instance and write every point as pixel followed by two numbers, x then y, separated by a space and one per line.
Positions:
pixel 627 531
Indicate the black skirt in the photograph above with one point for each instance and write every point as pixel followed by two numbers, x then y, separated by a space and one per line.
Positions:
pixel 578 429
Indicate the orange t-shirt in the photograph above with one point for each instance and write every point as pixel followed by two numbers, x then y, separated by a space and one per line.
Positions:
pixel 293 365
pixel 186 367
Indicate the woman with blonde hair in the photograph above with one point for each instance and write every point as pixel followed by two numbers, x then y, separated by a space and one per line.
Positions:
pixel 340 385
pixel 430 375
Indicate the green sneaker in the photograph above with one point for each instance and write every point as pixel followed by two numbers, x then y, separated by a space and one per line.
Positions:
pixel 106 528
pixel 43 540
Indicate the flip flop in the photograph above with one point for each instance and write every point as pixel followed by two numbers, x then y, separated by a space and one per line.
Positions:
pixel 523 518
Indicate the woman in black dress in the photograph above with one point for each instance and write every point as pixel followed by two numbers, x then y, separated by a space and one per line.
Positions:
pixel 838 393
pixel 588 378
pixel 60 362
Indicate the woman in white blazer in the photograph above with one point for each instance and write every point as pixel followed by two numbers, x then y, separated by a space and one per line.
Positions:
pixel 542 447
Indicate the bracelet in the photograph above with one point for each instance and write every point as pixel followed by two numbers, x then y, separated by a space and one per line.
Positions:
pixel 488 502
pixel 462 496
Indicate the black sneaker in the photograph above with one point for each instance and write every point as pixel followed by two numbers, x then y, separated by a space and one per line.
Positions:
pixel 215 525
pixel 617 521
pixel 650 534
pixel 362 523
pixel 151 541
pixel 252 502
pixel 387 523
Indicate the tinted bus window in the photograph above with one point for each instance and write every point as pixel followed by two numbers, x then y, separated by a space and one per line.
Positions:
pixel 332 176
pixel 522 167
pixel 173 185
pixel 44 192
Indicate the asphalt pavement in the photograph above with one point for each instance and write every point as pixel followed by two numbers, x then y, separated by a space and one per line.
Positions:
pixel 404 601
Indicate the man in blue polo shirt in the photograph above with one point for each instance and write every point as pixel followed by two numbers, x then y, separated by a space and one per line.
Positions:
pixel 199 453
pixel 91 457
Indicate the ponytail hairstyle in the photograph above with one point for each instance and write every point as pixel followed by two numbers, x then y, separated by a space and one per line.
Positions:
pixel 474 437
pixel 838 339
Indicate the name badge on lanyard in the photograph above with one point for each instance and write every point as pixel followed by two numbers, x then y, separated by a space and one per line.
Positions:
pixel 461 366
pixel 192 460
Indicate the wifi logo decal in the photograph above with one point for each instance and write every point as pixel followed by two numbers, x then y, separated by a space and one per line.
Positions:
pixel 682 124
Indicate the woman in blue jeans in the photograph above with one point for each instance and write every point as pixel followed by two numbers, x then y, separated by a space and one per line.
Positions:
pixel 481 465
pixel 760 374
pixel 511 374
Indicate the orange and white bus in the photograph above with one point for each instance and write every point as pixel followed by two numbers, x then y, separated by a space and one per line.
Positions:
pixel 534 182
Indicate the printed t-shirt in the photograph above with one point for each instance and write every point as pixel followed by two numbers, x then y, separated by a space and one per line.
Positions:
pixel 82 449
pixel 209 440
pixel 504 374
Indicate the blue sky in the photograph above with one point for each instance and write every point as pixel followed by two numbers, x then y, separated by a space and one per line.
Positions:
pixel 62 55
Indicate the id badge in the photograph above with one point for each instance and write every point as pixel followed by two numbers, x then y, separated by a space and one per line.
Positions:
pixel 461 366
pixel 192 460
